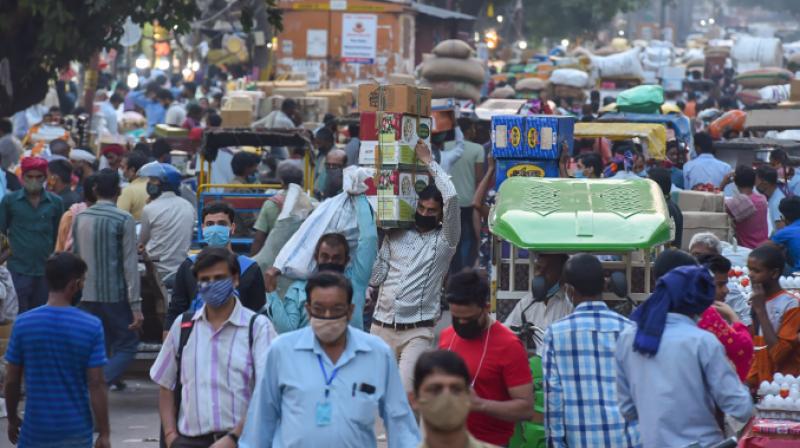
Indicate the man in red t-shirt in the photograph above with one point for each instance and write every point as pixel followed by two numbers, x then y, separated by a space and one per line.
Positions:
pixel 502 386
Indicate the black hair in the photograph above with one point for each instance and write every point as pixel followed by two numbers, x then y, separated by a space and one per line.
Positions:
pixel 325 135
pixel 243 160
pixel 779 155
pixel 214 120
pixel 142 148
pixel 354 129
pixel 770 255
pixel 116 99
pixel 164 94
pixel 289 173
pixel 135 160
pixel 60 147
pixel 160 148
pixel 61 169
pixel 62 268
pixel 790 209
pixel 717 264
pixel 585 273
pixel 431 192
pixel 671 259
pixel 54 109
pixel 439 361
pixel 88 188
pixel 288 105
pixel 210 256
pixel 194 110
pixel 662 177
pixel 329 279
pixel 332 240
pixel 620 147
pixel 191 86
pixel 744 176
pixel 468 287
pixel 218 207
pixel 5 125
pixel 703 143
pixel 592 160
pixel 768 174
pixel 153 87
pixel 107 183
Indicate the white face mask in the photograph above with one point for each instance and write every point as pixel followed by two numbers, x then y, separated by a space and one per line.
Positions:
pixel 329 330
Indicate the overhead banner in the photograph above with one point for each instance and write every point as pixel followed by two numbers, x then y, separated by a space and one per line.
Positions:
pixel 359 38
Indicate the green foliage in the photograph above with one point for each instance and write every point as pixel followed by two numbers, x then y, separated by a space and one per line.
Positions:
pixel 566 18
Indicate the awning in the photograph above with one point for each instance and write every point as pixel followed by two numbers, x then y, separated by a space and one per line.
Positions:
pixel 439 13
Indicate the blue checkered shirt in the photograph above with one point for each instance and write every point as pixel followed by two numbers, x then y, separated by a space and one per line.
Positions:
pixel 580 380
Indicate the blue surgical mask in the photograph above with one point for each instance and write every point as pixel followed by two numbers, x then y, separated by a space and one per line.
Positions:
pixel 217 236
pixel 216 293
pixel 579 175
pixel 642 173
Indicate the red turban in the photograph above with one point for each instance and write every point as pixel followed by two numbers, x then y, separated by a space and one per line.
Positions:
pixel 34 163
pixel 113 149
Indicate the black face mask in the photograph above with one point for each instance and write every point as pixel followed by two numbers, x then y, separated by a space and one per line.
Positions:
pixel 425 223
pixel 330 267
pixel 333 183
pixel 469 330
pixel 153 190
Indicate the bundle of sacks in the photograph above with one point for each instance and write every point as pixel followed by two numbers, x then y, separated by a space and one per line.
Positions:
pixel 569 83
pixel 452 72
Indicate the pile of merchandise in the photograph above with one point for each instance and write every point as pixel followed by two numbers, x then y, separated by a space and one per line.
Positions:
pixel 452 72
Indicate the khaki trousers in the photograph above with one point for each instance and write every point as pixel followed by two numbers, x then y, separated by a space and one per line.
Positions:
pixel 406 345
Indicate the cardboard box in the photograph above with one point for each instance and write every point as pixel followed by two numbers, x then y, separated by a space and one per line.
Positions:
pixel 402 128
pixel 443 120
pixel 236 118
pixel 312 109
pixel 697 222
pixel 165 130
pixel 794 95
pixel 392 155
pixel 527 168
pixel 537 137
pixel 269 87
pixel 393 196
pixel 699 201
pixel 401 99
pixel 772 119
pixel 338 103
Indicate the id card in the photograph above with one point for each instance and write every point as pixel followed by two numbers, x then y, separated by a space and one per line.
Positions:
pixel 324 410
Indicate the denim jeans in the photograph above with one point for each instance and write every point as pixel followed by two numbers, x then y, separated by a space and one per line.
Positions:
pixel 465 256
pixel 31 290
pixel 121 342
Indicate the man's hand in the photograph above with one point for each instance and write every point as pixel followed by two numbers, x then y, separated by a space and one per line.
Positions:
pixel 170 437
pixel 476 403
pixel 423 152
pixel 102 442
pixel 271 279
pixel 726 312
pixel 14 424
pixel 225 442
pixel 368 297
pixel 138 320
pixel 758 298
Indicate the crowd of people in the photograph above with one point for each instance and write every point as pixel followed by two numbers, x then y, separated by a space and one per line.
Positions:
pixel 253 357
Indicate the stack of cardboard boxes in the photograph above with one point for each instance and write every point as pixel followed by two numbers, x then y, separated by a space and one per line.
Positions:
pixel 393 119
pixel 530 145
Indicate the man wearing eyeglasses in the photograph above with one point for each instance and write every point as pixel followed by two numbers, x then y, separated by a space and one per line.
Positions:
pixel 323 385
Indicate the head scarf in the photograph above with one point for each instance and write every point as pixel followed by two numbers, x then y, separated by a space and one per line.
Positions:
pixel 687 290
pixel 113 149
pixel 34 163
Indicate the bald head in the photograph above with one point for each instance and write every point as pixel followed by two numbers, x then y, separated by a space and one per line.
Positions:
pixel 336 157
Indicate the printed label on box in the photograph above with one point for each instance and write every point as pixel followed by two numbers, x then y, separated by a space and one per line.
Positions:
pixel 533 137
pixel 525 170
pixel 547 138
pixel 500 137
pixel 516 136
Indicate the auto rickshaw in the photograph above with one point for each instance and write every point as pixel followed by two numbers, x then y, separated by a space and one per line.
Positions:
pixel 624 221
pixel 679 124
pixel 653 136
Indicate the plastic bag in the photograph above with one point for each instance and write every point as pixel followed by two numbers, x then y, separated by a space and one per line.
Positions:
pixel 645 99
pixel 569 77
pixel 297 204
pixel 622 65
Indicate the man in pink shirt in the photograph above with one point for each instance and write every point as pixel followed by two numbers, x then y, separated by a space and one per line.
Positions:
pixel 748 209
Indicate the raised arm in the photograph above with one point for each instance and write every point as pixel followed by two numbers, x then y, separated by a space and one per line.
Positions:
pixel 367 249
pixel 486 184
pixel 451 222
pixel 381 267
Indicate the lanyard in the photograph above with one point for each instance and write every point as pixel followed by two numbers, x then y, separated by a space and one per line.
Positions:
pixel 328 380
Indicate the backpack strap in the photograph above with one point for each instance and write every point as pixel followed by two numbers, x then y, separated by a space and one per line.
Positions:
pixel 250 340
pixel 244 263
pixel 187 325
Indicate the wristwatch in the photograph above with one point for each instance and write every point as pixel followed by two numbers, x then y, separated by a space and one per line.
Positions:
pixel 233 436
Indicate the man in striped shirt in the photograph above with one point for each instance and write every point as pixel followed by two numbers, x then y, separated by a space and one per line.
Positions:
pixel 105 237
pixel 208 377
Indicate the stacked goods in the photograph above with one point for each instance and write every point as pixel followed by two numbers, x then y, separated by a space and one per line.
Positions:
pixel 167 131
pixel 452 72
pixel 339 101
pixel 312 109
pixel 530 145
pixel 569 83
pixel 622 65
pixel 698 222
pixel 531 87
pixel 401 78
pixel 393 119
pixel 236 112
pixel 646 99
pixel 503 93
pixel 766 52
pixel 756 79
pixel 294 88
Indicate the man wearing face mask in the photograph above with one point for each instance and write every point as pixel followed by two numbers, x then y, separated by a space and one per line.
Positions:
pixel 105 238
pixel 218 226
pixel 167 220
pixel 541 312
pixel 501 381
pixel 334 164
pixel 211 360
pixel 442 398
pixel 324 385
pixel 30 218
pixel 410 270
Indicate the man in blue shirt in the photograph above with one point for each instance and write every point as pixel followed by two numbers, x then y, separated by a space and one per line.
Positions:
pixel 61 352
pixel 323 385
pixel 705 168
pixel 789 236
pixel 767 184
pixel 332 254
pixel 153 109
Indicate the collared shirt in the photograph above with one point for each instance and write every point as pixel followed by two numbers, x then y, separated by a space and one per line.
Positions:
pixel 31 231
pixel 789 238
pixel 105 237
pixel 704 169
pixel 463 171
pixel 540 314
pixel 283 412
pixel 216 369
pixel 167 224
pixel 579 379
pixel 134 197
pixel 153 110
pixel 674 394
pixel 411 265
pixel 110 116
pixel 773 212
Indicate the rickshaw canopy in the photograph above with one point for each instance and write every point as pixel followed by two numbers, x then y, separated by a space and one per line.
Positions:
pixel 655 135
pixel 220 138
pixel 571 215
pixel 679 123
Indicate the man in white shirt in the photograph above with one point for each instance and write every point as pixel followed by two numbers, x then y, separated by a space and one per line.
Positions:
pixel 767 184
pixel 176 113
pixel 542 312
pixel 705 168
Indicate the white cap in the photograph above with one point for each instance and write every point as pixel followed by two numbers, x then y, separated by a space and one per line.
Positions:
pixel 82 155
